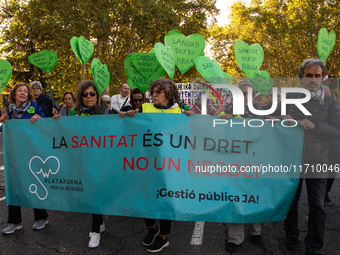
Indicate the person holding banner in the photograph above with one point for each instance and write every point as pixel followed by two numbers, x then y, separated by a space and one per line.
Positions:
pixel 88 104
pixel 322 126
pixel 137 99
pixel 165 98
pixel 22 106
pixel 236 230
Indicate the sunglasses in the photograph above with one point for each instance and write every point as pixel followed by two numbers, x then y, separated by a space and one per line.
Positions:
pixel 137 100
pixel 106 102
pixel 92 94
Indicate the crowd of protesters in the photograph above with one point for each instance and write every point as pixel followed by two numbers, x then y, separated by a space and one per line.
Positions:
pixel 321 145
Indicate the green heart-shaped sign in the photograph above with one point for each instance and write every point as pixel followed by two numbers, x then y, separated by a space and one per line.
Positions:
pixel 137 78
pixel 86 49
pixel 5 73
pixel 101 76
pixel 53 58
pixel 262 82
pixel 95 63
pixel 131 84
pixel 248 58
pixel 146 64
pixel 165 57
pixel 44 60
pixel 325 43
pixel 210 70
pixel 40 59
pixel 186 49
pixel 75 47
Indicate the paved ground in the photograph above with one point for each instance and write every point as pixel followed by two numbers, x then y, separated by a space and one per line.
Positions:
pixel 67 233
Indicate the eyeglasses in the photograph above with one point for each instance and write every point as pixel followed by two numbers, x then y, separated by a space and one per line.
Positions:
pixel 92 94
pixel 35 88
pixel 156 91
pixel 107 102
pixel 137 100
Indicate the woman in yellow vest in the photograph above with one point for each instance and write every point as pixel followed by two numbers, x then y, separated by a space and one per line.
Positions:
pixel 165 98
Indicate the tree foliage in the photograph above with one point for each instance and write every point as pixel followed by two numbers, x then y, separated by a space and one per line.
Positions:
pixel 117 28
pixel 287 31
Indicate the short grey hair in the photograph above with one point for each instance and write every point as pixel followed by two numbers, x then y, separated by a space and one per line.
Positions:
pixel 244 83
pixel 312 62
pixel 36 83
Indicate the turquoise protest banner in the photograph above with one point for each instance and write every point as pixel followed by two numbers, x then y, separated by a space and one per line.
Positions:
pixel 154 166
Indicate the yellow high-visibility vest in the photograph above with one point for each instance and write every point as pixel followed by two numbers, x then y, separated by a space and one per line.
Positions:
pixel 148 107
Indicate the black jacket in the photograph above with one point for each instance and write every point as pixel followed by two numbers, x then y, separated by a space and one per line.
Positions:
pixel 326 118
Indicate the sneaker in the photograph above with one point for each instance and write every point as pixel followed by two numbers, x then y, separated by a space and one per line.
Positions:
pixel 150 236
pixel 328 201
pixel 158 244
pixel 231 247
pixel 95 239
pixel 292 243
pixel 102 228
pixel 11 228
pixel 40 224
pixel 255 239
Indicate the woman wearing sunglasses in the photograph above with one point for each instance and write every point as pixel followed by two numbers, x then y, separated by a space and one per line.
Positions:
pixel 137 99
pixel 88 104
pixel 165 98
pixel 22 106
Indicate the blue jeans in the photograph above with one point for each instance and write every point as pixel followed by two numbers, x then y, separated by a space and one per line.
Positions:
pixel 316 191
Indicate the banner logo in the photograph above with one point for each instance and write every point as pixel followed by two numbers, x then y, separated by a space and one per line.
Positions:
pixel 33 187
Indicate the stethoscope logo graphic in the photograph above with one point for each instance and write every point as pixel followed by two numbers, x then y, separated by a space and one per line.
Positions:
pixel 33 188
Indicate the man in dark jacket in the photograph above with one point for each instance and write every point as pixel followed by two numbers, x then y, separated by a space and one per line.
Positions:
pixel 43 101
pixel 320 128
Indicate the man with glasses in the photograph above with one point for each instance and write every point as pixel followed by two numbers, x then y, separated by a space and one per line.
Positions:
pixel 122 99
pixel 43 101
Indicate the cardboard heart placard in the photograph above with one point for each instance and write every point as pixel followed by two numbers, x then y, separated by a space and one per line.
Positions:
pixel 131 84
pixel 137 78
pixel 185 49
pixel 53 58
pixel 95 63
pixel 86 49
pixel 75 47
pixel 44 60
pixel 146 64
pixel 5 73
pixel 325 43
pixel 248 58
pixel 165 57
pixel 211 70
pixel 262 82
pixel 101 75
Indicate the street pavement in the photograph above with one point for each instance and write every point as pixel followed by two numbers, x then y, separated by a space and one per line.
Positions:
pixel 67 233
